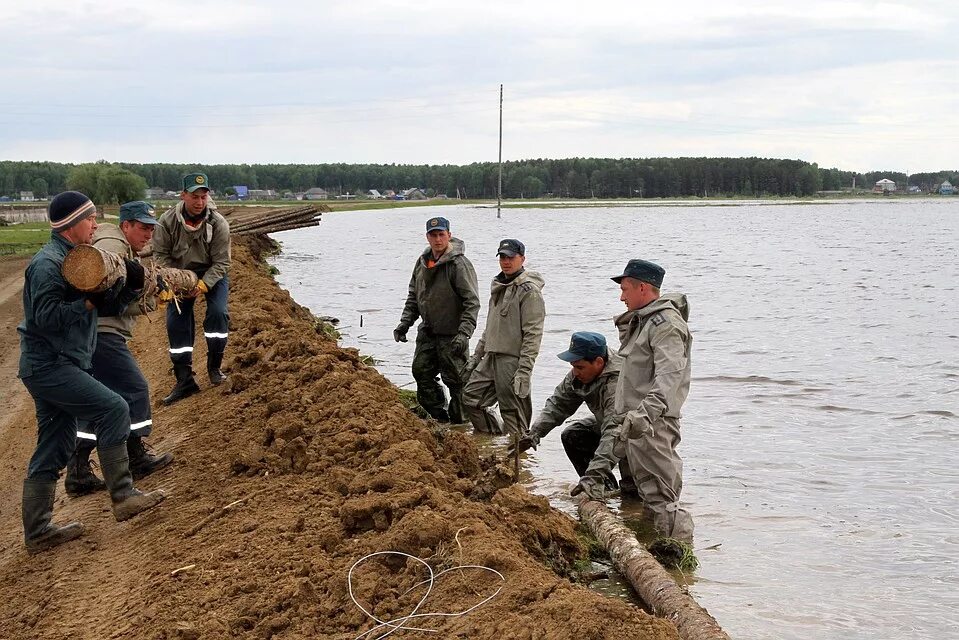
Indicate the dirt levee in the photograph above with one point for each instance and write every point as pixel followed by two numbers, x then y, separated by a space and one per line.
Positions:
pixel 304 462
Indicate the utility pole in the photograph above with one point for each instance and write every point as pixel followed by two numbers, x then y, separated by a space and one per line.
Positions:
pixel 499 188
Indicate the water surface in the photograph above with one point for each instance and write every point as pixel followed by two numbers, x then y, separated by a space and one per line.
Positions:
pixel 820 435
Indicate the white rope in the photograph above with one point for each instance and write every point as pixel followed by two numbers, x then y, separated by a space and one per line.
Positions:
pixel 398 624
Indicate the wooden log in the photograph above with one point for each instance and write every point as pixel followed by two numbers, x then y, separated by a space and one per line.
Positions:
pixel 89 269
pixel 652 583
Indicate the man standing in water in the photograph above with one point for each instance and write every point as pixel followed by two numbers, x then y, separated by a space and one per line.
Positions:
pixel 194 236
pixel 443 292
pixel 502 363
pixel 653 384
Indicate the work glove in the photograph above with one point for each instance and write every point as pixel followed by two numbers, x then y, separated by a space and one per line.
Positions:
pixel 460 343
pixel 399 333
pixel 201 287
pixel 135 274
pixel 592 490
pixel 521 384
pixel 525 443
pixel 470 367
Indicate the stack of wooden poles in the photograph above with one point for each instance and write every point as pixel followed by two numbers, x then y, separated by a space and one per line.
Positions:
pixel 272 220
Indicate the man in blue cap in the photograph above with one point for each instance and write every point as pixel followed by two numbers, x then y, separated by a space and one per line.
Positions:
pixel 194 236
pixel 655 344
pixel 114 365
pixel 444 293
pixel 589 441
pixel 57 340
pixel 501 366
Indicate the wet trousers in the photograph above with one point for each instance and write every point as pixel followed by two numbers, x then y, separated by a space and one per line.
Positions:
pixel 492 382
pixel 658 473
pixel 591 452
pixel 435 357
pixel 115 367
pixel 63 393
pixel 180 325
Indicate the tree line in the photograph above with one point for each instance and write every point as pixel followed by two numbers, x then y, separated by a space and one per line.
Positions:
pixel 559 178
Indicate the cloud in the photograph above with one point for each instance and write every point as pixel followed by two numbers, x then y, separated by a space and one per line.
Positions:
pixel 851 84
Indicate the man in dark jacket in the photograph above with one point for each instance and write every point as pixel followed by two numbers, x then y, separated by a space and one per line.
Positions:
pixel 57 339
pixel 194 236
pixel 443 292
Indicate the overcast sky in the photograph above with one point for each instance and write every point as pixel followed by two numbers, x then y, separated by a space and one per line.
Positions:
pixel 854 85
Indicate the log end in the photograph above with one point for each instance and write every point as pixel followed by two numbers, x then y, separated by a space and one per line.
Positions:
pixel 84 268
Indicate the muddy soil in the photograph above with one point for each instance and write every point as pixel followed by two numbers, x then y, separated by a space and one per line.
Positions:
pixel 303 463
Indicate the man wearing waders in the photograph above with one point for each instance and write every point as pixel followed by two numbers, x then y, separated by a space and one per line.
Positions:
pixel 653 384
pixel 443 292
pixel 502 362
pixel 194 236
pixel 57 339
pixel 588 442
pixel 114 365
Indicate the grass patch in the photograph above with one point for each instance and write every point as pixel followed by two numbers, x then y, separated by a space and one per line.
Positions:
pixel 674 554
pixel 408 398
pixel 23 239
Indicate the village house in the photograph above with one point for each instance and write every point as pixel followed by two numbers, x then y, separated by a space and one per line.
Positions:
pixel 27 196
pixel 946 188
pixel 316 193
pixel 884 186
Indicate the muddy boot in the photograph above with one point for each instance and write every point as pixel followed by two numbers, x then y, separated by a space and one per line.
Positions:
pixel 213 363
pixel 185 386
pixel 80 478
pixel 127 501
pixel 485 420
pixel 39 533
pixel 142 461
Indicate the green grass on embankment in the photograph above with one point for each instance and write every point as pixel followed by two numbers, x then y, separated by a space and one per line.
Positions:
pixel 23 239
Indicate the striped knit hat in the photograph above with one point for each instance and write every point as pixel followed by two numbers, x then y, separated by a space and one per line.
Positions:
pixel 68 208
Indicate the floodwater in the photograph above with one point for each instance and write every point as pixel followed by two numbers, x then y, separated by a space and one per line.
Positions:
pixel 821 430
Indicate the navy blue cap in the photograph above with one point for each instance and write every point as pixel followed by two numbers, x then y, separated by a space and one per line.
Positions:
pixel 437 223
pixel 644 270
pixel 585 345
pixel 511 247
pixel 139 211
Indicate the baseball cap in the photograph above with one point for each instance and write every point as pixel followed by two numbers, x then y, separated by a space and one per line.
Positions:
pixel 644 270
pixel 437 223
pixel 585 345
pixel 511 247
pixel 194 181
pixel 139 211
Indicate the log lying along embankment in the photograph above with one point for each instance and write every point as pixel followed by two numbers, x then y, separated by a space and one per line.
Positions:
pixel 303 463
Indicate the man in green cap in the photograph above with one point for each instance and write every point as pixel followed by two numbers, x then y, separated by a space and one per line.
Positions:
pixel 443 292
pixel 194 236
pixel 114 365
pixel 655 344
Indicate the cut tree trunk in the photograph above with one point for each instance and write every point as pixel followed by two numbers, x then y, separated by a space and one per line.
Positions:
pixel 651 581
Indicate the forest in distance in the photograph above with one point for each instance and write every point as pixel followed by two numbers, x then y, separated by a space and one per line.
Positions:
pixel 557 178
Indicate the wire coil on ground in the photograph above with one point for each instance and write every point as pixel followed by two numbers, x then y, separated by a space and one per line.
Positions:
pixel 400 623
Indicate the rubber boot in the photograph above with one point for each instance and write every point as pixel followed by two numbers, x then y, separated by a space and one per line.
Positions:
pixel 213 363
pixel 80 478
pixel 39 534
pixel 485 420
pixel 127 501
pixel 185 386
pixel 142 461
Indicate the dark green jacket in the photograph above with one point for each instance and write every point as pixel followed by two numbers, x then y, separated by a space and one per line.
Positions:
pixel 204 250
pixel 57 326
pixel 446 296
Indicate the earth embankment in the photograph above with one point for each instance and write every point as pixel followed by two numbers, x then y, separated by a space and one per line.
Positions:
pixel 303 463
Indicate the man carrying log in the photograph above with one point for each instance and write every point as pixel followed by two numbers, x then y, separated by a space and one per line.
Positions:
pixel 194 236
pixel 443 292
pixel 114 365
pixel 589 441
pixel 502 363
pixel 653 384
pixel 57 339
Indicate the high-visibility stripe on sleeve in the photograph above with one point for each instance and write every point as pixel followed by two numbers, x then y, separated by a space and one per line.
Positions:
pixel 182 350
pixel 216 335
pixel 86 436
